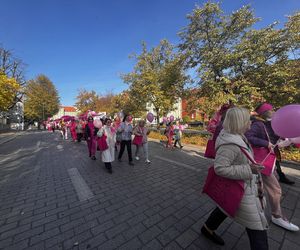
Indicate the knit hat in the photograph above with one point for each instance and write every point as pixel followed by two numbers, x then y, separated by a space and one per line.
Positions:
pixel 263 108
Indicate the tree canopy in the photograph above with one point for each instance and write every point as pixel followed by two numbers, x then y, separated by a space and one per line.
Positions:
pixel 158 78
pixel 13 68
pixel 41 99
pixel 90 100
pixel 9 87
pixel 86 100
pixel 238 62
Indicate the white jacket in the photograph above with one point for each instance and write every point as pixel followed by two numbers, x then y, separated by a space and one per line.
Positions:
pixel 231 162
pixel 108 155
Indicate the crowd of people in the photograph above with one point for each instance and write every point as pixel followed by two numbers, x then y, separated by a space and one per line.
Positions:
pixel 238 139
pixel 108 136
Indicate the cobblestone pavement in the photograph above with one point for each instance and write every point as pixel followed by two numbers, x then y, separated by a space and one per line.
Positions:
pixel 55 197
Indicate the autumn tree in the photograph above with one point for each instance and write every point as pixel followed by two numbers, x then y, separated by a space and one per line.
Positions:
pixel 126 102
pixel 235 61
pixel 9 87
pixel 158 78
pixel 13 68
pixel 86 100
pixel 41 99
pixel 105 103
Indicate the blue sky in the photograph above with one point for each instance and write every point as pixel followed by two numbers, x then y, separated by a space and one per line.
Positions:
pixel 86 43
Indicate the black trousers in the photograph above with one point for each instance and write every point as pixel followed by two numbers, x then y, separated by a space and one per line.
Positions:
pixel 107 165
pixel 179 142
pixel 258 238
pixel 79 137
pixel 128 145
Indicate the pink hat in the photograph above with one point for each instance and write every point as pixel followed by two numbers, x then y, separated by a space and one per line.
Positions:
pixel 263 108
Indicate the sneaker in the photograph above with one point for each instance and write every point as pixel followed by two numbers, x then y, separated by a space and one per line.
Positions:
pixel 119 160
pixel 285 224
pixel 93 157
pixel 131 163
pixel 147 161
pixel 137 158
pixel 213 237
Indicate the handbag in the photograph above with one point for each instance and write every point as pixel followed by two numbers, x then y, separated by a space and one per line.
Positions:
pixel 102 144
pixel 265 157
pixel 227 193
pixel 210 151
pixel 137 140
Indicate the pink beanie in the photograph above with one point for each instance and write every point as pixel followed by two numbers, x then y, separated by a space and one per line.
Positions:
pixel 263 108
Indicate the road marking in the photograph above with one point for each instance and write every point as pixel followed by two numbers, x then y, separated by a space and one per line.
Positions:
pixel 82 189
pixel 178 163
pixel 60 147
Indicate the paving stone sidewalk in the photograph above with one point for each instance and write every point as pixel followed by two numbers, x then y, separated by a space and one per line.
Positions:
pixel 53 196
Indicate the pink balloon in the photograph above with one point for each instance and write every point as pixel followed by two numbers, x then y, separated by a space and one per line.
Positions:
pixel 171 118
pixel 295 140
pixel 97 123
pixel 150 117
pixel 285 121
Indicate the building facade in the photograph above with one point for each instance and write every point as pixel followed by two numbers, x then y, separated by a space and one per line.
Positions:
pixel 176 112
pixel 65 110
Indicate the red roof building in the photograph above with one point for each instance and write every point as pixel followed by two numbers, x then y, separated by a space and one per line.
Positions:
pixel 65 110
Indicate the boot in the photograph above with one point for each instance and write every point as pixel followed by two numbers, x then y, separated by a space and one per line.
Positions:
pixel 212 236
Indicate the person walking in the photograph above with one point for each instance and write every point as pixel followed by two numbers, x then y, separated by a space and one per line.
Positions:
pixel 232 162
pixel 262 136
pixel 264 114
pixel 126 129
pixel 217 117
pixel 73 130
pixel 53 127
pixel 178 128
pixel 79 130
pixel 90 135
pixel 141 131
pixel 116 125
pixel 109 133
pixel 169 133
pixel 63 130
